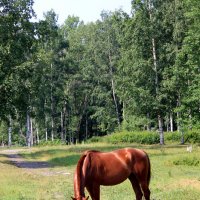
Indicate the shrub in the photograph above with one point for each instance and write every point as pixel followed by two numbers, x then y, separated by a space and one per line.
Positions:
pixel 133 137
pixel 191 136
pixel 95 139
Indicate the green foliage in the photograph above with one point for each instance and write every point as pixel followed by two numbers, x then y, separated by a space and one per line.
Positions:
pixel 119 73
pixel 133 137
pixel 95 139
pixel 193 136
pixel 145 137
pixel 18 140
pixel 133 122
pixel 3 133
pixel 190 136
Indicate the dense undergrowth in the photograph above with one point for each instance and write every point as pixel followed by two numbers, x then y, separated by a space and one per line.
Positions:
pixel 145 137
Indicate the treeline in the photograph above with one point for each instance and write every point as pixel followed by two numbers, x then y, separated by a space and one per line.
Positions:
pixel 73 81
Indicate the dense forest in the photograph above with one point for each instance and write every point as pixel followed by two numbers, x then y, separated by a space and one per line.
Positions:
pixel 73 81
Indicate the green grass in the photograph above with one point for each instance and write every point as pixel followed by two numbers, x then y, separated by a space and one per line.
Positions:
pixel 175 174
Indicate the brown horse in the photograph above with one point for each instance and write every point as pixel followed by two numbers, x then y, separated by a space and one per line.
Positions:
pixel 97 168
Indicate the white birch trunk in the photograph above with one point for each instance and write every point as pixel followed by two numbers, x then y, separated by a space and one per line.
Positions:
pixel 62 126
pixel 178 115
pixel 37 135
pixel 160 129
pixel 46 128
pixel 171 122
pixel 86 127
pixel 28 131
pixel 52 129
pixel 167 122
pixel 160 123
pixel 52 106
pixel 113 90
pixel 46 134
pixel 10 132
pixel 31 131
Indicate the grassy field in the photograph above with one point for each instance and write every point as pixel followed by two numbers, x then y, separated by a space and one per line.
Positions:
pixel 175 174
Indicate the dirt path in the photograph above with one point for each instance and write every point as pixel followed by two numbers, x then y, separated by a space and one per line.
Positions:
pixel 35 167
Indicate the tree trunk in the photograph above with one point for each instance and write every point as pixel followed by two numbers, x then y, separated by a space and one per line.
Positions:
pixel 171 122
pixel 182 137
pixel 160 122
pixel 46 134
pixel 160 129
pixel 10 132
pixel 113 89
pixel 37 136
pixel 148 123
pixel 86 127
pixel 46 128
pixel 153 50
pixel 31 131
pixel 178 114
pixel 62 126
pixel 52 129
pixel 63 122
pixel 167 122
pixel 52 106
pixel 28 130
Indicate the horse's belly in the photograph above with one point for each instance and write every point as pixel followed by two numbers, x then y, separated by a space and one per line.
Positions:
pixel 114 178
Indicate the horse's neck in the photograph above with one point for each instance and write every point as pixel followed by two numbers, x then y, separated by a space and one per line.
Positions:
pixel 79 180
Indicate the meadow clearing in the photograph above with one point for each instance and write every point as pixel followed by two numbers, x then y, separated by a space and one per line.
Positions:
pixel 48 174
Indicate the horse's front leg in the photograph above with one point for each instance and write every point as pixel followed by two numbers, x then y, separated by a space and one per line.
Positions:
pixel 94 191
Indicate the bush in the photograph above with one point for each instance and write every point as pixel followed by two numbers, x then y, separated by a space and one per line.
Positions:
pixel 145 137
pixel 133 137
pixel 95 139
pixel 172 136
pixel 191 136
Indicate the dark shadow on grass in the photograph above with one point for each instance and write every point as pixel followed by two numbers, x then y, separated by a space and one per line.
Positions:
pixel 27 164
pixel 31 165
pixel 18 161
pixel 65 161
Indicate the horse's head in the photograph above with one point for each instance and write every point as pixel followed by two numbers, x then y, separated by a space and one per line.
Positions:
pixel 80 198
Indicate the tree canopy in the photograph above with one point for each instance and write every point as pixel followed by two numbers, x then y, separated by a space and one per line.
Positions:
pixel 73 81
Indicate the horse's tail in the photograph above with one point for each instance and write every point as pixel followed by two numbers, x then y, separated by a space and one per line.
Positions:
pixel 78 184
pixel 149 170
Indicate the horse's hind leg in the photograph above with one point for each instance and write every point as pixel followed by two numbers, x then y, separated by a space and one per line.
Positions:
pixel 136 186
pixel 146 191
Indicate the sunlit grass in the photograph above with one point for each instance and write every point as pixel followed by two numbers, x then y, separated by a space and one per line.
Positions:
pixel 173 178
